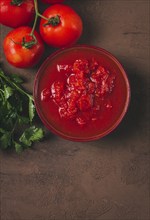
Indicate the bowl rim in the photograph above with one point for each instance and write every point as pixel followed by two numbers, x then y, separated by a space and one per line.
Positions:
pixel 91 138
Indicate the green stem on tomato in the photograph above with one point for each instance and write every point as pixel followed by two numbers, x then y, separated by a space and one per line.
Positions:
pixel 36 17
pixel 37 14
pixel 26 44
pixel 42 16
pixel 31 43
pixel 16 2
pixel 54 21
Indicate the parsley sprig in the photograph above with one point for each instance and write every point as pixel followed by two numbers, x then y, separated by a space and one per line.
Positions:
pixel 14 114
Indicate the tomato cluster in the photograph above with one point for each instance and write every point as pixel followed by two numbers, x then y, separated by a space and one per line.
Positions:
pixel 60 26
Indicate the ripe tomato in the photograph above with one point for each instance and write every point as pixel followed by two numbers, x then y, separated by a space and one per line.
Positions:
pixel 21 49
pixel 52 1
pixel 63 27
pixel 15 13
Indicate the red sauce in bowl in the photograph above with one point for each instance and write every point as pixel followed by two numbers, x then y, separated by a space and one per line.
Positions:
pixel 81 93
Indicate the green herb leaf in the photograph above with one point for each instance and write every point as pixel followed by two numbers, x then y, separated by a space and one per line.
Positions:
pixel 16 79
pixel 8 91
pixel 37 135
pixel 23 120
pixel 1 72
pixel 31 110
pixel 2 131
pixel 30 135
pixel 8 105
pixel 18 147
pixel 13 115
pixel 5 140
pixel 19 106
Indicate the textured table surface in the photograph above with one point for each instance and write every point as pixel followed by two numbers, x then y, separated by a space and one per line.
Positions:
pixel 106 179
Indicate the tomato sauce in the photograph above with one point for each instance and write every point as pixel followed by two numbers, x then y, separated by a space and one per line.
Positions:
pixel 81 93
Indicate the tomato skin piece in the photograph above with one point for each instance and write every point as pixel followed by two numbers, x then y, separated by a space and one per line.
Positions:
pixel 52 1
pixel 67 32
pixel 18 55
pixel 16 15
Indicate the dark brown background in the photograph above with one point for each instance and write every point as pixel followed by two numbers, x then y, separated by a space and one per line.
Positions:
pixel 106 179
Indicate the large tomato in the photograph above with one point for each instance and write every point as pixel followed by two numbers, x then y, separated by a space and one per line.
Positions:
pixel 52 1
pixel 15 13
pixel 63 27
pixel 21 49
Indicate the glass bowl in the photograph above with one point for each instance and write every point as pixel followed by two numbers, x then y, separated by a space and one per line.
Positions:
pixel 114 107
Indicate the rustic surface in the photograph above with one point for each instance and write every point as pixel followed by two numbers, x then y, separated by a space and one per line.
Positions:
pixel 106 179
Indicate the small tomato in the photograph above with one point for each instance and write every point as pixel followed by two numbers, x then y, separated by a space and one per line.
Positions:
pixel 16 13
pixel 63 26
pixel 21 49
